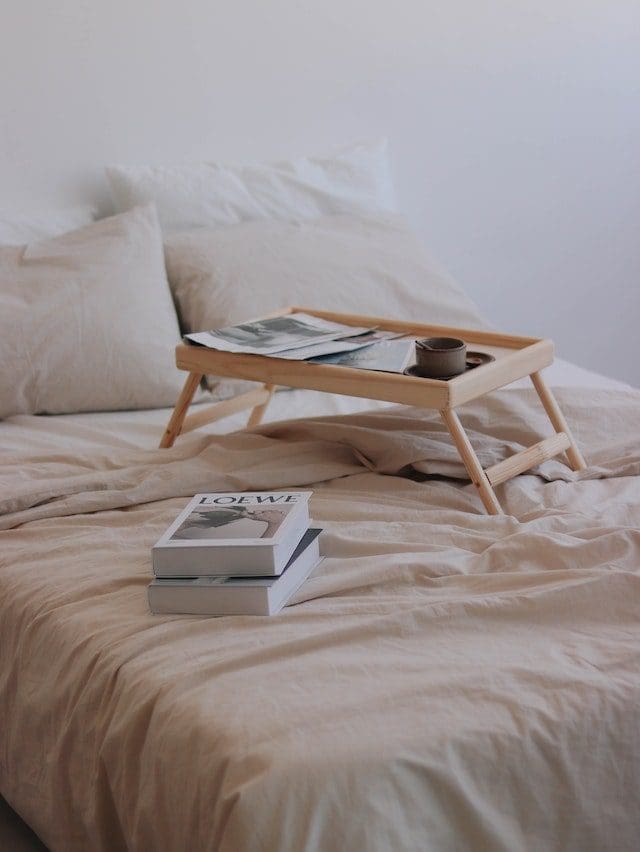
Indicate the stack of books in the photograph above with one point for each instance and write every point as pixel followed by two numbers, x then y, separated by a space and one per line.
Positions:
pixel 234 554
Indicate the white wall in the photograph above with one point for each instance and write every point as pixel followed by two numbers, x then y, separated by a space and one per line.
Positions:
pixel 515 126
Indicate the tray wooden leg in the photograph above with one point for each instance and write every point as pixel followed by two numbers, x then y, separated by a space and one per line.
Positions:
pixel 179 412
pixel 255 418
pixel 485 480
pixel 558 421
pixel 471 462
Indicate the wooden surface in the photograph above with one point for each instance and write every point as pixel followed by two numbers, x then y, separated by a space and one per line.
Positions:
pixel 526 459
pixel 504 370
pixel 558 421
pixel 225 408
pixel 427 393
pixel 417 329
pixel 471 462
pixel 255 418
pixel 179 412
pixel 514 358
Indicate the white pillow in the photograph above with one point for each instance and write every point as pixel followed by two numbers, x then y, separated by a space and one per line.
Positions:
pixel 87 322
pixel 356 180
pixel 16 229
pixel 376 266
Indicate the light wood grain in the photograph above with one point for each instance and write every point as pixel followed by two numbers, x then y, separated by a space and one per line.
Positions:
pixel 393 387
pixel 255 418
pixel 576 459
pixel 501 372
pixel 515 357
pixel 225 408
pixel 470 335
pixel 471 462
pixel 179 412
pixel 526 459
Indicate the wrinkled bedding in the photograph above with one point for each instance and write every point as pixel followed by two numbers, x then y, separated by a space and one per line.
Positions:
pixel 445 680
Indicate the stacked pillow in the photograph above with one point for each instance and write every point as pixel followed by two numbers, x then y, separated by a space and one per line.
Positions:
pixel 351 264
pixel 318 232
pixel 87 321
pixel 355 180
pixel 354 264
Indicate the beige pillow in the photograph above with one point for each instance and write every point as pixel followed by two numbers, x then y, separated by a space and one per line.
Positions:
pixel 87 322
pixel 221 276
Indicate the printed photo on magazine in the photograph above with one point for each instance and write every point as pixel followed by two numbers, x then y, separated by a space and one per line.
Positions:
pixel 387 356
pixel 337 347
pixel 275 334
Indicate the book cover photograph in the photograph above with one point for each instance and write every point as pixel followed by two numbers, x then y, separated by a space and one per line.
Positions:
pixel 231 522
pixel 236 518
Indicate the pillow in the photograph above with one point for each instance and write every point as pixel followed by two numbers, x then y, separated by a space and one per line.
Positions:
pixel 19 228
pixel 372 265
pixel 356 180
pixel 87 322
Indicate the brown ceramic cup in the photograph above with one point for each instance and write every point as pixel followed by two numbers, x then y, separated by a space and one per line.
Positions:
pixel 438 357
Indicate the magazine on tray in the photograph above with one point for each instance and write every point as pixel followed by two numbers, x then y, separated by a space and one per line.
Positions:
pixel 237 595
pixel 274 335
pixel 336 347
pixel 387 356
pixel 244 533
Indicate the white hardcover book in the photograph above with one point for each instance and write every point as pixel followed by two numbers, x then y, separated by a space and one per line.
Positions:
pixel 237 595
pixel 233 534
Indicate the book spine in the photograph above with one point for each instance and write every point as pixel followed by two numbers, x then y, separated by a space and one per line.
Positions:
pixel 207 561
pixel 214 602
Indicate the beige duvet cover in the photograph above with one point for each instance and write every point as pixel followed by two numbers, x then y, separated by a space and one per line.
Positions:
pixel 446 680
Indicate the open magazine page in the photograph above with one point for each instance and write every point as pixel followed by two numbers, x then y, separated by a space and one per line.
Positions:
pixel 331 347
pixel 388 356
pixel 275 334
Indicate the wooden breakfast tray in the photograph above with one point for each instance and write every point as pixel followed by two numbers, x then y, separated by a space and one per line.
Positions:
pixel 515 357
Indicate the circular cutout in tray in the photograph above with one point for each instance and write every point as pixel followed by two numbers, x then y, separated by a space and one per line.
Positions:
pixel 474 359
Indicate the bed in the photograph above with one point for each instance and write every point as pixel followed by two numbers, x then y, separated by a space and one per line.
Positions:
pixel 445 679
